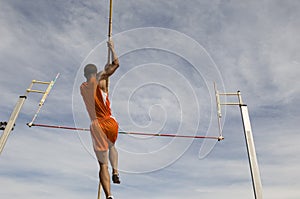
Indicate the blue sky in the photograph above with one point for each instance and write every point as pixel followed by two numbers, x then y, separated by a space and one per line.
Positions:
pixel 170 54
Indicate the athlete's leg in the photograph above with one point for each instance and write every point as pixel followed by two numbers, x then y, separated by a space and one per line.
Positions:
pixel 103 173
pixel 113 158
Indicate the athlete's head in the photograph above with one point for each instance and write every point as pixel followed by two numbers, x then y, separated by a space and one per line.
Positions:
pixel 89 70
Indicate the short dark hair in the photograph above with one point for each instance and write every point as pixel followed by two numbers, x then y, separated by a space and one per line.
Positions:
pixel 89 69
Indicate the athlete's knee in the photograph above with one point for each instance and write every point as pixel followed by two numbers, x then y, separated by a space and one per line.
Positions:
pixel 102 157
pixel 110 144
pixel 103 165
pixel 103 169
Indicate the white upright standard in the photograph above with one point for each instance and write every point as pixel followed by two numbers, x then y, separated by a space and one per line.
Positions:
pixel 254 169
pixel 256 181
pixel 18 107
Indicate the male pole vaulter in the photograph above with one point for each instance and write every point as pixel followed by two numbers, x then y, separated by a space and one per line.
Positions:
pixel 104 127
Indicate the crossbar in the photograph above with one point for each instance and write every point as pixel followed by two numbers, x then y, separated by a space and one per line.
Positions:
pixel 219 138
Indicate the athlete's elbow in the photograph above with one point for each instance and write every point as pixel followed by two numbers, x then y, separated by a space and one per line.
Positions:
pixel 116 63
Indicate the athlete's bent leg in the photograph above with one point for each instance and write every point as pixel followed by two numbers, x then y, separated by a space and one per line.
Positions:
pixel 113 158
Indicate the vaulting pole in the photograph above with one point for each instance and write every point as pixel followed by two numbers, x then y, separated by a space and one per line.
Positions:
pixel 109 36
pixel 99 190
pixel 109 28
pixel 110 20
pixel 108 61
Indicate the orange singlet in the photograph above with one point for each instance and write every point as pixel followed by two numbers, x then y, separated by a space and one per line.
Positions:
pixel 103 125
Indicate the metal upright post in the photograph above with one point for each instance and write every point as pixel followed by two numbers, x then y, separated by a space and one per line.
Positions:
pixel 13 118
pixel 11 122
pixel 255 174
